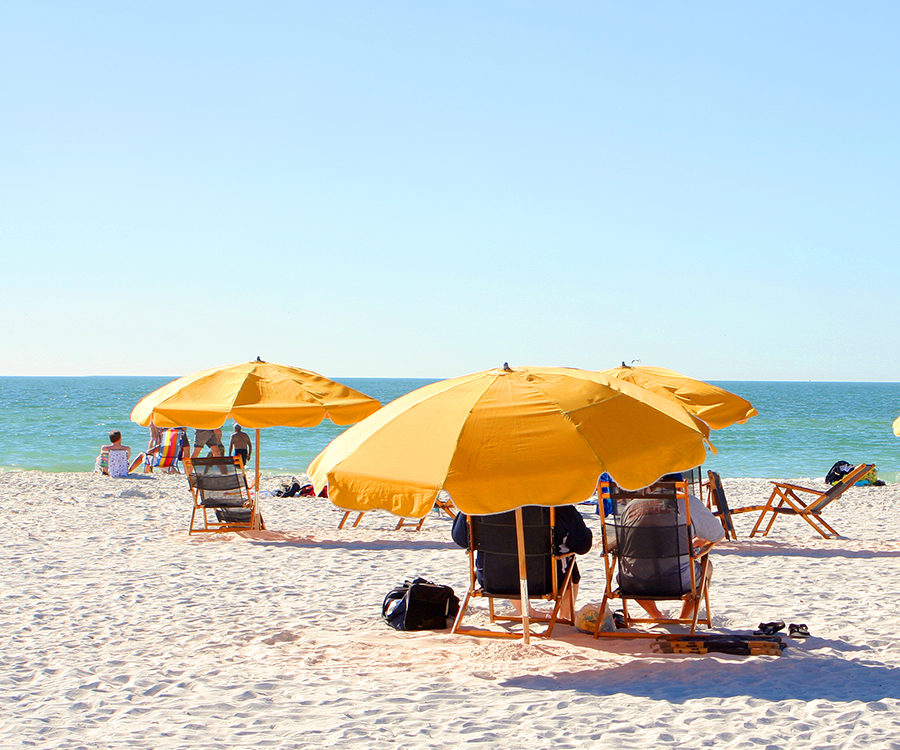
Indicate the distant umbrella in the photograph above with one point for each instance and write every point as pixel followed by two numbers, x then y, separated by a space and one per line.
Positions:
pixel 255 395
pixel 715 406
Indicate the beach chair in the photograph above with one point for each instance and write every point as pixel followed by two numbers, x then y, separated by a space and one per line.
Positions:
pixel 646 540
pixel 519 561
pixel 785 500
pixel 163 455
pixel 220 485
pixel 719 505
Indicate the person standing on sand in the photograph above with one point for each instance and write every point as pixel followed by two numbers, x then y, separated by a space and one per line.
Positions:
pixel 212 438
pixel 241 445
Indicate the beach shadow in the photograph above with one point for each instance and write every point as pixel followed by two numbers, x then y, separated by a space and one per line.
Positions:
pixel 767 548
pixel 678 679
pixel 280 539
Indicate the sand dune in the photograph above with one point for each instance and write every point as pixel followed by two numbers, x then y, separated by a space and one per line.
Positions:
pixel 120 630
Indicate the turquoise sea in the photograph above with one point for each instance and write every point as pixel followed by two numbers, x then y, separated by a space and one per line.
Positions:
pixel 58 424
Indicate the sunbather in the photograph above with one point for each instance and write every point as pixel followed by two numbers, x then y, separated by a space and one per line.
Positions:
pixel 114 458
pixel 571 535
pixel 644 574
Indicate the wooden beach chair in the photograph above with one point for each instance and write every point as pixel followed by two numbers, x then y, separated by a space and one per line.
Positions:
pixel 719 505
pixel 444 504
pixel 647 532
pixel 220 485
pixel 519 561
pixel 785 500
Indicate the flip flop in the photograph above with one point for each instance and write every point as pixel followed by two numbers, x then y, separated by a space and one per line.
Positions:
pixel 770 628
pixel 798 631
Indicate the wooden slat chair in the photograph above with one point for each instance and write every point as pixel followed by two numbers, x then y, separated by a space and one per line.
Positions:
pixel 519 562
pixel 417 522
pixel 655 548
pixel 442 502
pixel 220 485
pixel 785 500
pixel 719 503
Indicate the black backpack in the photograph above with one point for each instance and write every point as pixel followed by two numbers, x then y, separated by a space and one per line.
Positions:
pixel 420 605
pixel 837 472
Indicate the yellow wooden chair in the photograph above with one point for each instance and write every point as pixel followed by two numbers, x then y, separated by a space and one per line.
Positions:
pixel 785 500
pixel 222 497
pixel 519 561
pixel 646 540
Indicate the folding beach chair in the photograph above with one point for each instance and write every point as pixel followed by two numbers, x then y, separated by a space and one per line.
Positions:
pixel 790 503
pixel 220 485
pixel 165 454
pixel 647 540
pixel 519 561
pixel 718 501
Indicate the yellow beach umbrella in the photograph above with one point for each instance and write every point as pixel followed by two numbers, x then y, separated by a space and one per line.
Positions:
pixel 504 438
pixel 897 426
pixel 715 406
pixel 255 395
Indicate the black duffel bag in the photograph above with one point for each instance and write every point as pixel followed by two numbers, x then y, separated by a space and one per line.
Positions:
pixel 420 605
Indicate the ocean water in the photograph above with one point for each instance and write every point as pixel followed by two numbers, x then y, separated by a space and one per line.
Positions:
pixel 58 424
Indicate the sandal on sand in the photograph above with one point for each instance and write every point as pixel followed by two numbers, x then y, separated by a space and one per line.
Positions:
pixel 798 631
pixel 770 628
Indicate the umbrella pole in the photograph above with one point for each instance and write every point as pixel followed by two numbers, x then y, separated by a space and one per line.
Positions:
pixel 523 574
pixel 256 481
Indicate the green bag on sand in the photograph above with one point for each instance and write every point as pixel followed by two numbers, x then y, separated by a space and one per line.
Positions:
pixel 586 619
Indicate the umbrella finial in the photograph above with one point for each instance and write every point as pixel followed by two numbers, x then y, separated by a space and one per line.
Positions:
pixel 506 367
pixel 259 360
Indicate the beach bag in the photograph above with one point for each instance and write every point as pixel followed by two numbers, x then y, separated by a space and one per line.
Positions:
pixel 586 619
pixel 420 605
pixel 837 472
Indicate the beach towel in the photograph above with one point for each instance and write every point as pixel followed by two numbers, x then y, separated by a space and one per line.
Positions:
pixel 117 465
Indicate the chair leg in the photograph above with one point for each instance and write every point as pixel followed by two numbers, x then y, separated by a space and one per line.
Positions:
pixel 765 510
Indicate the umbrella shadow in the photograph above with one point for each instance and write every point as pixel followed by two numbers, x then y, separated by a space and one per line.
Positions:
pixel 784 549
pixel 797 675
pixel 281 539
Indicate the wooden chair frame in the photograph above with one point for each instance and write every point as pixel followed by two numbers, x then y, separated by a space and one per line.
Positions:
pixel 790 503
pixel 559 594
pixel 716 494
pixel 439 504
pixel 243 498
pixel 699 582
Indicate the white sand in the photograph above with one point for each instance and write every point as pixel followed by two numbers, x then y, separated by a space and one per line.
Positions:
pixel 120 630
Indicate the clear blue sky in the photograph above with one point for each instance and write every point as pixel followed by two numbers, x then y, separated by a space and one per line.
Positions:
pixel 429 189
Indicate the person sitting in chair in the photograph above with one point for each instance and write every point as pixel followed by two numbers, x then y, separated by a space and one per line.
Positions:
pixel 114 458
pixel 644 574
pixel 571 534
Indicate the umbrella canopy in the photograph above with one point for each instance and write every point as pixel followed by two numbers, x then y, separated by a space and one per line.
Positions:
pixel 715 406
pixel 897 426
pixel 253 394
pixel 504 438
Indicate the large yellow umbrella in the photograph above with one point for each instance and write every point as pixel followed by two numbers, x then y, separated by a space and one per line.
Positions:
pixel 715 406
pixel 504 438
pixel 897 426
pixel 255 395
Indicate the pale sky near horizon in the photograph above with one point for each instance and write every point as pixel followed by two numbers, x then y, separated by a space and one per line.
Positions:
pixel 407 189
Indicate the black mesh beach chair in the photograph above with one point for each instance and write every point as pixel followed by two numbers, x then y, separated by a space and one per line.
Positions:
pixel 519 561
pixel 649 554
pixel 220 485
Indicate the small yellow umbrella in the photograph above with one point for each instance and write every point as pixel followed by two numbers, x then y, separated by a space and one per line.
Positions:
pixel 255 395
pixel 897 426
pixel 715 406
pixel 504 438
